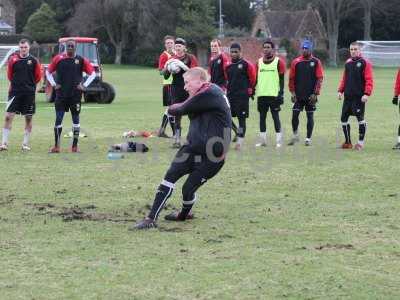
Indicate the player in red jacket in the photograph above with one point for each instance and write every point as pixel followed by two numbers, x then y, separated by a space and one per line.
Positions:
pixel 23 72
pixel 305 79
pixel 241 82
pixel 169 44
pixel 395 101
pixel 356 86
pixel 219 61
pixel 69 86
pixel 185 61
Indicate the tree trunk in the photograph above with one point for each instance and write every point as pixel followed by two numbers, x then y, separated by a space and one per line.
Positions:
pixel 118 54
pixel 367 19
pixel 202 55
pixel 333 38
pixel 332 21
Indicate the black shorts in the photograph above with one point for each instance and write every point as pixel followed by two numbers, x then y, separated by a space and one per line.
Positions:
pixel 72 104
pixel 302 104
pixel 353 106
pixel 179 94
pixel 167 95
pixel 188 162
pixel 239 106
pixel 264 104
pixel 21 104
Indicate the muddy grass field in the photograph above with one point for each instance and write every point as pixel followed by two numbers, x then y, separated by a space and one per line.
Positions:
pixel 298 223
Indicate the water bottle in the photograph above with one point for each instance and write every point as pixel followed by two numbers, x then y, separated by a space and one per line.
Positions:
pixel 114 155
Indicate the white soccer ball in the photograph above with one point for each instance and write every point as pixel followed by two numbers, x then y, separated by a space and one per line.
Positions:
pixel 173 67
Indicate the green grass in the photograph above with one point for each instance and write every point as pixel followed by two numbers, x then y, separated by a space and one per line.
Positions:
pixel 299 223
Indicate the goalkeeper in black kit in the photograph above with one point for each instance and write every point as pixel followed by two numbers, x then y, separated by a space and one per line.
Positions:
pixel 203 156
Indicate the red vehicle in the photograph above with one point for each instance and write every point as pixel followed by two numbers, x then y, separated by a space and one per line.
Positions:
pixel 98 91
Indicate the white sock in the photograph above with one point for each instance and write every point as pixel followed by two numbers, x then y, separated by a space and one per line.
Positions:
pixel 296 134
pixel 27 135
pixel 308 140
pixel 361 143
pixel 263 135
pixel 398 139
pixel 177 135
pixel 6 132
pixel 240 140
pixel 279 137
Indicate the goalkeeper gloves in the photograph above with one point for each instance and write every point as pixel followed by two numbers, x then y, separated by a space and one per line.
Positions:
pixel 182 65
pixel 395 100
pixel 313 99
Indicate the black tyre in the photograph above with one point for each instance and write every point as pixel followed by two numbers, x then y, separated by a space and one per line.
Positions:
pixel 90 98
pixel 108 95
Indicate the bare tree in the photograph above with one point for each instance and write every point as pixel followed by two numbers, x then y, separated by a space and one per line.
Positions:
pixel 118 18
pixel 288 4
pixel 156 19
pixel 335 11
pixel 84 21
pixel 378 7
pixel 126 22
pixel 367 6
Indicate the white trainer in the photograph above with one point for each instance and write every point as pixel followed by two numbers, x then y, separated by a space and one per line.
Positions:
pixel 279 139
pixel 261 143
pixel 25 147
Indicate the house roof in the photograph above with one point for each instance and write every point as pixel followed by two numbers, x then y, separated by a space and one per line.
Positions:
pixel 290 24
pixel 283 23
pixel 78 39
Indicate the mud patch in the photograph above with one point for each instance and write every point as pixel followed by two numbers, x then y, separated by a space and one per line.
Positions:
pixel 7 199
pixel 40 206
pixel 63 191
pixel 213 241
pixel 226 236
pixel 6 245
pixel 335 247
pixel 80 213
pixel 373 214
pixel 170 229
